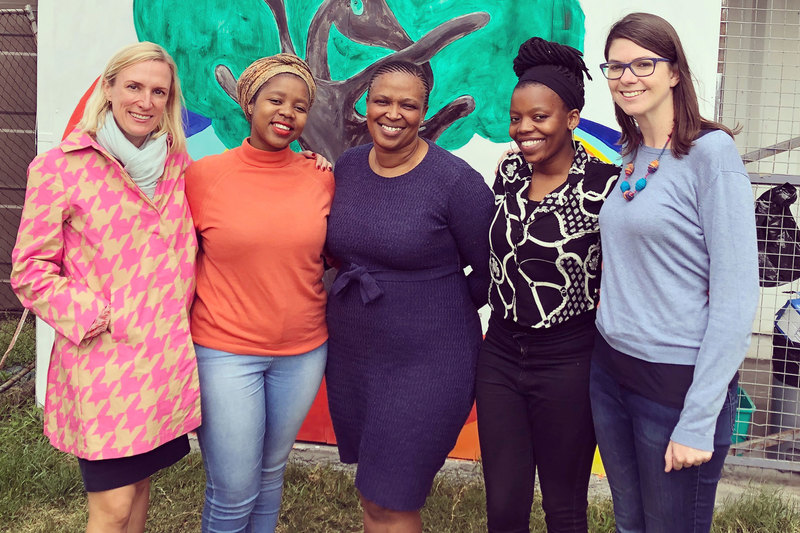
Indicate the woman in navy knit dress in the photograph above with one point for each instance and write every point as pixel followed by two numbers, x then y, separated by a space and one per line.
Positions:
pixel 404 332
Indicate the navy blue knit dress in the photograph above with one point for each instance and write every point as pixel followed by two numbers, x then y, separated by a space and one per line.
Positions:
pixel 404 332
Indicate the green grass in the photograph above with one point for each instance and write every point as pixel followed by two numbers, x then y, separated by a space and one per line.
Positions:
pixel 758 512
pixel 41 489
pixel 25 350
pixel 42 493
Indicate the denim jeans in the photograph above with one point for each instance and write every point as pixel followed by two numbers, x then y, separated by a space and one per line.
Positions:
pixel 633 433
pixel 253 407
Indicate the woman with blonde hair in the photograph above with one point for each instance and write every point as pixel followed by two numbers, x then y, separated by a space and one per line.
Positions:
pixel 105 255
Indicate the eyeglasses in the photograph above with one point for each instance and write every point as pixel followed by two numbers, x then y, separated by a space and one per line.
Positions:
pixel 642 67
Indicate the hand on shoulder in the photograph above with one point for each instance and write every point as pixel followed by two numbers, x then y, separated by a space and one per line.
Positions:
pixel 513 151
pixel 320 161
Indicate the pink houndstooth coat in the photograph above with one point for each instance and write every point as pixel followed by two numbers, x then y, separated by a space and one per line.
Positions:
pixel 90 238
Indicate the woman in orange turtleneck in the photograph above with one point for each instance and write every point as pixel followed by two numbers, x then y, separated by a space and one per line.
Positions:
pixel 258 320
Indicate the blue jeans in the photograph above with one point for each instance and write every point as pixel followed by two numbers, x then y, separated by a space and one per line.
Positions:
pixel 253 407
pixel 633 433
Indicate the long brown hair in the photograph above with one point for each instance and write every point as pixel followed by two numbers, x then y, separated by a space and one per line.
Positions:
pixel 657 35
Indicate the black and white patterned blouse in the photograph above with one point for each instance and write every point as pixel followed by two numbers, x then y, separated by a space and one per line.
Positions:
pixel 545 256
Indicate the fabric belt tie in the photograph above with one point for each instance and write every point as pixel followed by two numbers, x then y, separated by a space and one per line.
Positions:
pixel 368 279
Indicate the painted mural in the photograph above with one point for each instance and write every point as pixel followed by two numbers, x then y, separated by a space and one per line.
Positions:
pixel 466 47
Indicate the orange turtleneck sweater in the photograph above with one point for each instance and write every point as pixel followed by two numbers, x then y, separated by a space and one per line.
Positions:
pixel 261 218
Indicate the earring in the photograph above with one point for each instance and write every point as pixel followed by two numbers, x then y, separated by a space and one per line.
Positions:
pixel 575 142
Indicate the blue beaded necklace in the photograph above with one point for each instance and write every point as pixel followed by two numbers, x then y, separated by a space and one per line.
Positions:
pixel 641 183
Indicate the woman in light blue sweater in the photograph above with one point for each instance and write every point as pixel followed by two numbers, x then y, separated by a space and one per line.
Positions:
pixel 678 293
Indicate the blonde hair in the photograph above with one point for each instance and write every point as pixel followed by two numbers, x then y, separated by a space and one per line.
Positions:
pixel 98 105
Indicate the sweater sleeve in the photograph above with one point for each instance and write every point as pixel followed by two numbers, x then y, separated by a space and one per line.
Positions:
pixel 330 186
pixel 470 208
pixel 195 191
pixel 63 302
pixel 728 222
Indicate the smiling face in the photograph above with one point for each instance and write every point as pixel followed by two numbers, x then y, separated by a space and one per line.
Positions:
pixel 279 112
pixel 138 97
pixel 647 98
pixel 541 125
pixel 395 110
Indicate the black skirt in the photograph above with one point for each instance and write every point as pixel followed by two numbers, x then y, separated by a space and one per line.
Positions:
pixel 107 474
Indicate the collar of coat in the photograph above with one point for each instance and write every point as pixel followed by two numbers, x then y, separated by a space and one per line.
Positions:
pixel 78 139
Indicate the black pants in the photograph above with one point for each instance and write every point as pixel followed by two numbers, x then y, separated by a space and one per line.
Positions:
pixel 534 414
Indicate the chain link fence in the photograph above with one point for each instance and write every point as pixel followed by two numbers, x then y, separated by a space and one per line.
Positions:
pixel 759 90
pixel 17 131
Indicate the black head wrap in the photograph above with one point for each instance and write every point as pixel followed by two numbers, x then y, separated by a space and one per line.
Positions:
pixel 555 79
pixel 557 66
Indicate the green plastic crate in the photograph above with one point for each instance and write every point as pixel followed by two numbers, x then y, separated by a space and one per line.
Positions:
pixel 744 413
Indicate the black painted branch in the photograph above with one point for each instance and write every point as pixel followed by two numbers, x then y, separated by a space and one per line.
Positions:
pixel 279 12
pixel 226 80
pixel 423 50
pixel 444 118
pixel 375 26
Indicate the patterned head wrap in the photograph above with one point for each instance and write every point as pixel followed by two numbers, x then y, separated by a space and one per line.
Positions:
pixel 261 70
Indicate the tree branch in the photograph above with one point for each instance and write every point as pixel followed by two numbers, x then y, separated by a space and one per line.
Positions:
pixel 458 108
pixel 226 80
pixel 423 50
pixel 279 12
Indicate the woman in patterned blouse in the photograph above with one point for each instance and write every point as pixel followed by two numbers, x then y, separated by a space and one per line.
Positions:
pixel 533 369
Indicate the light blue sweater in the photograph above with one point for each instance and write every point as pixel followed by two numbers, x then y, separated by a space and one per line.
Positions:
pixel 680 273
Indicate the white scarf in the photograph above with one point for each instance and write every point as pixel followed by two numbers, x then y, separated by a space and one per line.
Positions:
pixel 145 165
